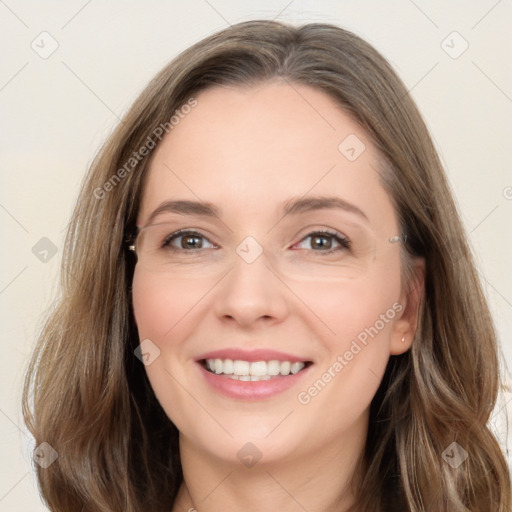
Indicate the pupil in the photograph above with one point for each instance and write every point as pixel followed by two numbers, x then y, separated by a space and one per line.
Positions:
pixel 326 244
pixel 191 241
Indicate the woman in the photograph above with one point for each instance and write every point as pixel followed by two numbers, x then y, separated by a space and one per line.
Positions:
pixel 268 300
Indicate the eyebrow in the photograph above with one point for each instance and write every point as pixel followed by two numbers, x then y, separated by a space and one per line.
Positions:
pixel 311 203
pixel 185 207
pixel 293 206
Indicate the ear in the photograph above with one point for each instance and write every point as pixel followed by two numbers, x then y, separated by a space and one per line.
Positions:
pixel 406 323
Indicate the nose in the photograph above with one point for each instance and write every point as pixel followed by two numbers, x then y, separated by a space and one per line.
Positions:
pixel 251 294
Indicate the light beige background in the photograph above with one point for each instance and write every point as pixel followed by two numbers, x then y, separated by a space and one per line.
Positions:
pixel 56 111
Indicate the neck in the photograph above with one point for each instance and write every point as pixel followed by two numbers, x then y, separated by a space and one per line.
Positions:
pixel 316 480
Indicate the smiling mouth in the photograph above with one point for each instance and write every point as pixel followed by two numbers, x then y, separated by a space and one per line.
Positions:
pixel 253 370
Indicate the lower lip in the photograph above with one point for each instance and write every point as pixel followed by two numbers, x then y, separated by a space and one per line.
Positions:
pixel 251 390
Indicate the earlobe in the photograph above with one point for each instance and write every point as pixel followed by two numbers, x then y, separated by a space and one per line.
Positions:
pixel 400 342
pixel 405 327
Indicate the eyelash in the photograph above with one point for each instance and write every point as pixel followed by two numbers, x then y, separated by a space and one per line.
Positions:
pixel 344 243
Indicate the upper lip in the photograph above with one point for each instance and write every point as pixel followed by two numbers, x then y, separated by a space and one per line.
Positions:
pixel 260 354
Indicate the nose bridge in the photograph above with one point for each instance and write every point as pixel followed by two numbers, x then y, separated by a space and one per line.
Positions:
pixel 251 290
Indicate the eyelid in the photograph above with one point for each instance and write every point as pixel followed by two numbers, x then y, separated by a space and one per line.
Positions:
pixel 310 231
pixel 183 232
pixel 340 238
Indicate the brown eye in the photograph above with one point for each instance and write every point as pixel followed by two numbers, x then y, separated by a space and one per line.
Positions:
pixel 321 242
pixel 325 242
pixel 186 240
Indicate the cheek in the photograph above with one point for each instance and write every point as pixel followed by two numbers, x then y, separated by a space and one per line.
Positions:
pixel 160 305
pixel 150 306
pixel 160 309
pixel 362 315
pixel 346 310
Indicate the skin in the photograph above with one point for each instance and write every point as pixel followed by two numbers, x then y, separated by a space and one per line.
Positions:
pixel 247 151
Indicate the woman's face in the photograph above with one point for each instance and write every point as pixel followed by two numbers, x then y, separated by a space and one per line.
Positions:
pixel 260 288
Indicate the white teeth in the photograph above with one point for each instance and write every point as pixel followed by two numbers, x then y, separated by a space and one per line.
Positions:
pixel 240 368
pixel 285 367
pixel 253 371
pixel 248 377
pixel 296 367
pixel 228 367
pixel 258 368
pixel 273 367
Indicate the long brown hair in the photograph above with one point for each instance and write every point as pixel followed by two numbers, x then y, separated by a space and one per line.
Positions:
pixel 88 396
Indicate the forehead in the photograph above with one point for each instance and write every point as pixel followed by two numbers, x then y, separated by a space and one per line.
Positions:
pixel 249 150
